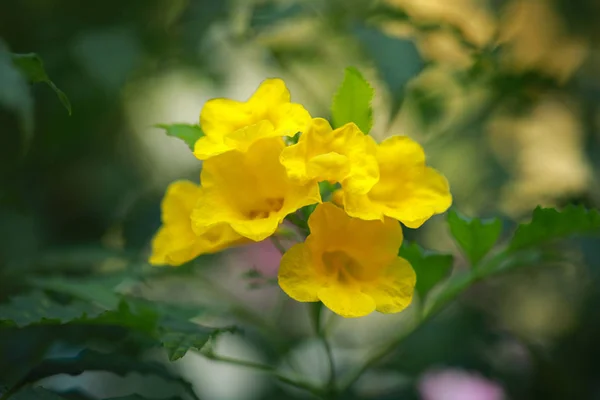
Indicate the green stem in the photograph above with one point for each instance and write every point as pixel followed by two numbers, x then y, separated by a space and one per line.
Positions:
pixel 277 243
pixel 479 272
pixel 269 369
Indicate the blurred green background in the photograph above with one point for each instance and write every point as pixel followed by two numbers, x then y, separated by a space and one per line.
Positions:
pixel 503 94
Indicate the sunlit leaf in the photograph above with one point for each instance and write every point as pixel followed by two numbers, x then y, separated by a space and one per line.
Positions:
pixel 475 236
pixel 188 133
pixel 431 267
pixel 352 102
pixel 32 67
pixel 549 224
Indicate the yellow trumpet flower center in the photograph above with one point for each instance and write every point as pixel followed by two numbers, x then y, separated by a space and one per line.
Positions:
pixel 345 267
pixel 270 205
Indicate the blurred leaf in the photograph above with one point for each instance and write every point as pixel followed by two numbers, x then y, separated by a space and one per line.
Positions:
pixel 96 290
pixel 549 224
pixel 36 393
pixel 90 360
pixel 138 397
pixel 36 307
pixel 178 337
pixel 430 267
pixel 15 94
pixel 32 67
pixel 475 236
pixel 352 102
pixel 188 133
pixel 397 60
pixel 449 290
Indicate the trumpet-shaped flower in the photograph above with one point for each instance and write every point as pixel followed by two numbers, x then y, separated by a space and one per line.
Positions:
pixel 175 242
pixel 407 189
pixel 235 125
pixel 250 191
pixel 344 155
pixel 349 264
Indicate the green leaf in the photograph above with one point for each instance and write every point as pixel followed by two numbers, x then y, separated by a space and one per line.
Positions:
pixel 36 308
pixel 397 60
pixel 178 337
pixel 476 237
pixel 188 133
pixel 138 397
pixel 550 224
pixel 15 95
pixel 431 267
pixel 32 67
pixel 90 360
pixel 98 291
pixel 36 393
pixel 352 102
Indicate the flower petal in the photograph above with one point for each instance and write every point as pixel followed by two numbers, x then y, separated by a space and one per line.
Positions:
pixel 220 117
pixel 298 277
pixel 346 300
pixel 393 290
pixel 369 242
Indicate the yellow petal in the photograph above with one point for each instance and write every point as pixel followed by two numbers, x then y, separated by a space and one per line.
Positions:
pixel 370 242
pixel 346 300
pixel 407 190
pixel 220 117
pixel 271 93
pixel 342 155
pixel 393 290
pixel 231 125
pixel 208 146
pixel 250 191
pixel 176 242
pixel 297 275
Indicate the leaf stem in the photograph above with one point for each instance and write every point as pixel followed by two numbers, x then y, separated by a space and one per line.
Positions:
pixel 277 243
pixel 269 369
pixel 478 273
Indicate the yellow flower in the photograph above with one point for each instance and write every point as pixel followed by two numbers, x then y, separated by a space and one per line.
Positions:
pixel 250 191
pixel 407 189
pixel 349 264
pixel 175 242
pixel 344 155
pixel 235 125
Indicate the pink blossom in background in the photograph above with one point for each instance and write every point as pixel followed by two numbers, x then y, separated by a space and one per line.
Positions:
pixel 455 384
pixel 263 256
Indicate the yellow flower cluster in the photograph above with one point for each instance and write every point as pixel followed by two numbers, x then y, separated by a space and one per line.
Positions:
pixel 251 181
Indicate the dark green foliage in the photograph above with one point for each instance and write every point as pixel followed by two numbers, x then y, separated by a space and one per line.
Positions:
pixel 549 224
pixel 431 267
pixel 475 236
pixel 32 67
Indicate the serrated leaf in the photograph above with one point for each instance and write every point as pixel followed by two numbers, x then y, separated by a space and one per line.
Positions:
pixel 32 67
pixel 431 267
pixel 186 132
pixel 476 237
pixel 549 224
pixel 36 308
pixel 352 102
pixel 90 360
pixel 178 337
pixel 98 291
